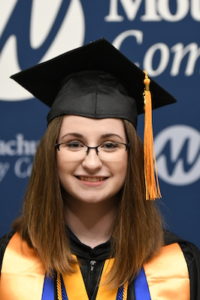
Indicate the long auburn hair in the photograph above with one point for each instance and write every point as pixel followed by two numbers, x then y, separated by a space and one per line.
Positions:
pixel 137 231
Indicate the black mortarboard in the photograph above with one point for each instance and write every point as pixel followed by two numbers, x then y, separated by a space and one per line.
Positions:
pixel 98 81
pixel 95 80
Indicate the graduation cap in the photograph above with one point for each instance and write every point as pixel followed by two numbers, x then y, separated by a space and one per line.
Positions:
pixel 96 81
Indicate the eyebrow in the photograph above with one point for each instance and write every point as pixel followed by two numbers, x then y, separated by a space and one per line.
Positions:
pixel 78 135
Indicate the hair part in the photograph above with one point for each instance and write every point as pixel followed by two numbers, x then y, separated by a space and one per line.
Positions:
pixel 137 232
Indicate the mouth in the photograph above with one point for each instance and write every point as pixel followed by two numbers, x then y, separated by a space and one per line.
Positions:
pixel 92 178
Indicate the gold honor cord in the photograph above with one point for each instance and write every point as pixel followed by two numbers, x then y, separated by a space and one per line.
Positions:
pixel 58 286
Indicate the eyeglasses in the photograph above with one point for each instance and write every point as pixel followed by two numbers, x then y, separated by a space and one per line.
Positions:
pixel 107 150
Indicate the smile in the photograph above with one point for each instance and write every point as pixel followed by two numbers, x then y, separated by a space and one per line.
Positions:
pixel 91 178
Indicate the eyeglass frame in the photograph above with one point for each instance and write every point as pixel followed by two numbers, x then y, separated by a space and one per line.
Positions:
pixel 127 146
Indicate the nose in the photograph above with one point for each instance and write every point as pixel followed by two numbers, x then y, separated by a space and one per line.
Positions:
pixel 92 161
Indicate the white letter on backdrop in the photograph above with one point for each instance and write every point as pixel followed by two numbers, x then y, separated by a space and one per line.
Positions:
pixel 193 54
pixel 130 7
pixel 195 9
pixel 150 11
pixel 181 11
pixel 164 58
pixel 129 33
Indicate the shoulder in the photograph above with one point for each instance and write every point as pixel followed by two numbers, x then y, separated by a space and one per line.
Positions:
pixel 3 244
pixel 192 257
pixel 190 251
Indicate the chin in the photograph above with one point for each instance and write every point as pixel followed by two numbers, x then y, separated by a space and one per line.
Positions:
pixel 91 198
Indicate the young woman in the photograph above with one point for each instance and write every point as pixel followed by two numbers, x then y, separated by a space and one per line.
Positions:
pixel 87 230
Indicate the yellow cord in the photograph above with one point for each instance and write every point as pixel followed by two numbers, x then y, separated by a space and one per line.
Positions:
pixel 58 285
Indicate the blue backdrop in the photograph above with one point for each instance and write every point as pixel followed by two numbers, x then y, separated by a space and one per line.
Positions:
pixel 161 36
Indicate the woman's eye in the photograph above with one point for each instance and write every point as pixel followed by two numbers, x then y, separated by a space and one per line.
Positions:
pixel 110 146
pixel 74 145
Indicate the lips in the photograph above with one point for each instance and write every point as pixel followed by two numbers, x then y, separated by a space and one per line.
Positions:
pixel 92 178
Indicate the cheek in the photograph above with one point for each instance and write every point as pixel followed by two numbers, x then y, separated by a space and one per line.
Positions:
pixel 63 169
pixel 63 166
pixel 121 168
pixel 60 164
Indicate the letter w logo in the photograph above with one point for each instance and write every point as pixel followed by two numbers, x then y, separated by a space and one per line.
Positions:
pixel 19 25
pixel 178 154
pixel 33 31
pixel 182 157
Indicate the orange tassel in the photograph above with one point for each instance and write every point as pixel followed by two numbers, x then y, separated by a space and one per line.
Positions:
pixel 150 170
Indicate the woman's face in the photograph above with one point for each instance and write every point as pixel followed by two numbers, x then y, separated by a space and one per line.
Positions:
pixel 89 177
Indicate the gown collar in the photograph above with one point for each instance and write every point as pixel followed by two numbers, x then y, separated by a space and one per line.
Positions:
pixel 100 252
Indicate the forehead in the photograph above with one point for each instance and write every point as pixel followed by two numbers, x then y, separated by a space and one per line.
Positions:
pixel 86 126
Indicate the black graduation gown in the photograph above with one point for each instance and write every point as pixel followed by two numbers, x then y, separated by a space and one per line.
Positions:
pixel 92 261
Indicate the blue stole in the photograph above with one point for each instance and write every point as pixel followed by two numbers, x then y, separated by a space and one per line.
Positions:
pixel 140 286
pixel 48 289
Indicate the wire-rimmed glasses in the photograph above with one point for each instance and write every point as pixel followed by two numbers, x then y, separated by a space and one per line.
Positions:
pixel 107 150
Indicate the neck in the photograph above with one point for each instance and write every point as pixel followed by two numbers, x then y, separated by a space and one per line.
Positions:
pixel 91 223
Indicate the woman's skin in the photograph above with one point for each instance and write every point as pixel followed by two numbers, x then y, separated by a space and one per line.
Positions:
pixel 91 183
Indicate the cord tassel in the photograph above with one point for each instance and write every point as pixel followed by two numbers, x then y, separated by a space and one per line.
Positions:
pixel 150 170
